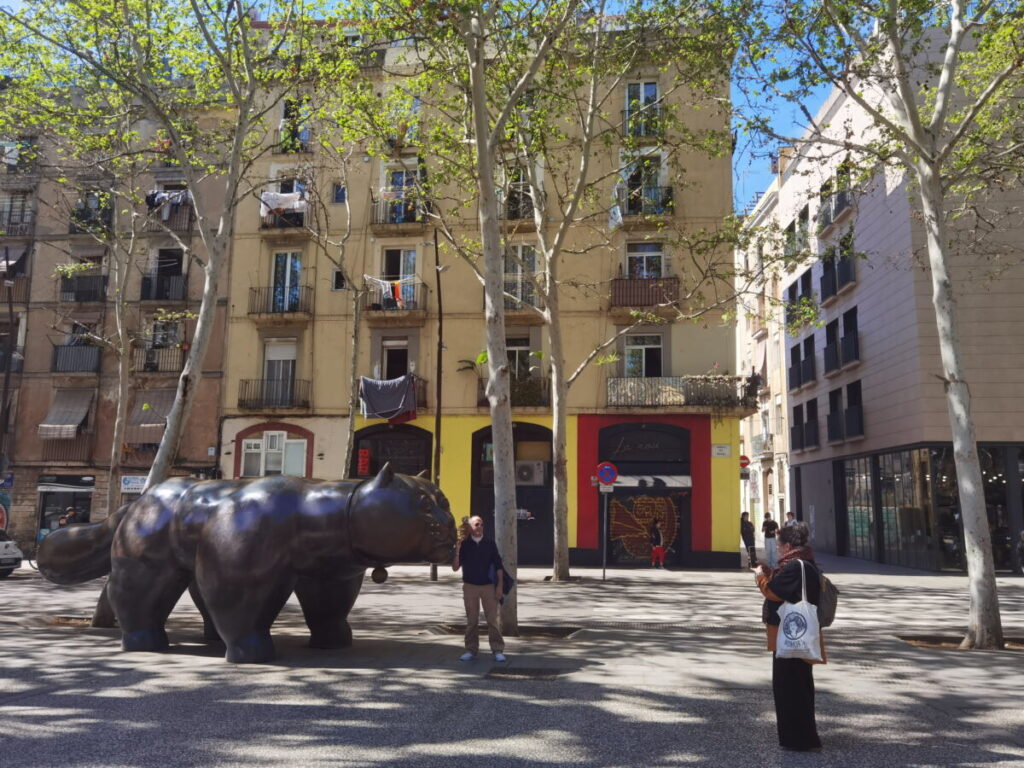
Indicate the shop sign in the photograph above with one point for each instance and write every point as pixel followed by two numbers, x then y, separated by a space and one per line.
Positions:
pixel 133 483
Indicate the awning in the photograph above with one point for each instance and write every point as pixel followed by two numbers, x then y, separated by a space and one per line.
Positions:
pixel 67 412
pixel 146 424
pixel 12 262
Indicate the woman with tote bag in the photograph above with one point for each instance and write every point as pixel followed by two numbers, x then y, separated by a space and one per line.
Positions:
pixel 793 580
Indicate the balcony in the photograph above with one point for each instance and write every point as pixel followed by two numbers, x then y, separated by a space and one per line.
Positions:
pixel 794 377
pixel 643 201
pixel 807 372
pixel 75 358
pixel 20 157
pixel 643 122
pixel 287 223
pixel 158 359
pixel 76 449
pixel 17 359
pixel 854 421
pixel 811 439
pixel 834 427
pixel 260 394
pixel 851 348
pixel 831 358
pixel 827 285
pixel 83 288
pixel 421 394
pixel 832 207
pixel 628 292
pixel 527 392
pixel 704 392
pixel 846 274
pixel 762 446
pixel 17 223
pixel 518 205
pixel 277 300
pixel 796 437
pixel 292 141
pixel 397 211
pixel 398 305
pixel 19 290
pixel 86 220
pixel 163 288
pixel 520 296
pixel 178 217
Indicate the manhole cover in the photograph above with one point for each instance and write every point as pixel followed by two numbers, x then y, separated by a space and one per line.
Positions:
pixel 525 630
pixel 525 673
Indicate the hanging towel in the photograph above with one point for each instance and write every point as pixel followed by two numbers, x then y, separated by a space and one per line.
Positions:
pixel 386 399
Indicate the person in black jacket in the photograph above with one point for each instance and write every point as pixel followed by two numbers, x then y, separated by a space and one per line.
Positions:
pixel 477 557
pixel 657 545
pixel 747 534
pixel 792 679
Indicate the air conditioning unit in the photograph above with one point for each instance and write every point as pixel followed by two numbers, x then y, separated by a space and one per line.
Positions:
pixel 529 473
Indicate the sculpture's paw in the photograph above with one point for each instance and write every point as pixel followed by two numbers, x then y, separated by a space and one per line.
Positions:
pixel 144 640
pixel 254 649
pixel 336 637
pixel 210 635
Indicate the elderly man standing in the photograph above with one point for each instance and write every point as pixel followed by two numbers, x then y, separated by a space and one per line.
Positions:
pixel 476 556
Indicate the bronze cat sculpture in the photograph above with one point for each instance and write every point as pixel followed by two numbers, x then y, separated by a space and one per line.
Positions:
pixel 243 546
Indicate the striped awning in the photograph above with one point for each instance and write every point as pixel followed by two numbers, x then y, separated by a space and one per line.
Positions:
pixel 149 416
pixel 67 412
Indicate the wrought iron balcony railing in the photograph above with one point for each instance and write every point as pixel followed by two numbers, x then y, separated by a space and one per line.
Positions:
pixel 18 223
pixel 643 121
pixel 257 394
pixel 629 292
pixel 398 296
pixel 158 359
pixel 399 207
pixel 293 140
pixel 646 201
pixel 283 221
pixel 701 391
pixel 525 392
pixel 75 358
pixel 173 217
pixel 279 300
pixel 83 288
pixel 17 359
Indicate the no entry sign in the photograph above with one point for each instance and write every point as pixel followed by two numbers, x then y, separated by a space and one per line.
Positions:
pixel 744 462
pixel 607 473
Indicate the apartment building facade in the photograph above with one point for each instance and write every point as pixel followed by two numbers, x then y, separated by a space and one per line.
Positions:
pixel 869 435
pixel 671 429
pixel 60 381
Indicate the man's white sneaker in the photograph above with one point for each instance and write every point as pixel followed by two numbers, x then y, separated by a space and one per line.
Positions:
pixel 499 657
pixel 467 656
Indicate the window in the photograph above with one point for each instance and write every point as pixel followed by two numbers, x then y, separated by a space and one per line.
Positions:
pixel 520 265
pixel 644 261
pixel 273 454
pixel 832 346
pixel 645 195
pixel 353 39
pixel 279 372
pixel 519 360
pixel 165 335
pixel 836 421
pixel 399 268
pixel 339 193
pixel 292 186
pixel 395 357
pixel 811 423
pixel 642 109
pixel 643 356
pixel 854 411
pixel 337 280
pixel 287 279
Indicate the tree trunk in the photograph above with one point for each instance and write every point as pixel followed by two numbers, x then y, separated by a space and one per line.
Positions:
pixel 494 316
pixel 559 451
pixel 353 400
pixel 120 268
pixel 189 379
pixel 984 629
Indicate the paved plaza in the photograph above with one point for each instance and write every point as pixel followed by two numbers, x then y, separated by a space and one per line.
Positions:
pixel 667 668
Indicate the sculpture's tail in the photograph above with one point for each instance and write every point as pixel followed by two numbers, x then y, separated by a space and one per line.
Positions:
pixel 79 553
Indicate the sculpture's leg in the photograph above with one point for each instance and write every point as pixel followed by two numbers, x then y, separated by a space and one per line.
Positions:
pixel 209 630
pixel 326 604
pixel 243 614
pixel 103 615
pixel 143 596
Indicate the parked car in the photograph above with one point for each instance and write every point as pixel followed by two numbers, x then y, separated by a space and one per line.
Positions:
pixel 10 555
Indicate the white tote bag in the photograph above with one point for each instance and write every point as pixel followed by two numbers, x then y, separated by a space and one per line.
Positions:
pixel 798 627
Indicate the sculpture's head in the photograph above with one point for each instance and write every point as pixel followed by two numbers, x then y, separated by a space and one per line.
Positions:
pixel 401 519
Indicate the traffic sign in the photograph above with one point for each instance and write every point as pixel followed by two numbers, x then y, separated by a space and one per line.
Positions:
pixel 607 473
pixel 607 489
pixel 744 462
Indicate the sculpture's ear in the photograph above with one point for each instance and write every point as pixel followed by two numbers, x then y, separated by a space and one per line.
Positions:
pixel 385 476
pixel 422 474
